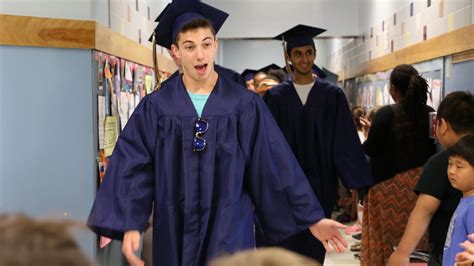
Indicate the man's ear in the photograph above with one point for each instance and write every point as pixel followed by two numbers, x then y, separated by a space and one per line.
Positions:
pixel 443 126
pixel 175 51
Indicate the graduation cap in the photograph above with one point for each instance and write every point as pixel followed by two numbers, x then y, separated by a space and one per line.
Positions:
pixel 269 67
pixel 180 12
pixel 150 39
pixel 299 35
pixel 248 74
pixel 162 13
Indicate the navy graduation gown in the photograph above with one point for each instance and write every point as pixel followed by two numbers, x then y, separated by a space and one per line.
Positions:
pixel 203 201
pixel 323 137
pixel 230 74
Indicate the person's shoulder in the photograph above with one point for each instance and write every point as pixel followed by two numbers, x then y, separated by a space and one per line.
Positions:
pixel 236 92
pixel 384 114
pixel 327 86
pixel 162 95
pixel 387 109
pixel 280 89
pixel 429 109
pixel 437 164
pixel 224 70
pixel 229 74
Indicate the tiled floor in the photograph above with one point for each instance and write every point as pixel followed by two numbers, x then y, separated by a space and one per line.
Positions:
pixel 342 259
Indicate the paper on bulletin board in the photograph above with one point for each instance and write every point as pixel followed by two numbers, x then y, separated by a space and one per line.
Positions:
pixel 148 83
pixel 435 93
pixel 124 108
pixel 110 135
pixel 101 119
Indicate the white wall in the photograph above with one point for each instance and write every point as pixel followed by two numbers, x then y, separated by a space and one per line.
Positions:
pixel 100 11
pixel 472 11
pixel 268 18
pixel 254 54
pixel 371 12
pixel 65 9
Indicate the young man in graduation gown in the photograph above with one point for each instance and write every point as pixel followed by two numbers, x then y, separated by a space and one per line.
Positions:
pixel 314 116
pixel 203 153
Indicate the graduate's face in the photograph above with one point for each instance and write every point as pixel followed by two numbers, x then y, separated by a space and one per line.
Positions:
pixel 302 59
pixel 196 50
pixel 461 174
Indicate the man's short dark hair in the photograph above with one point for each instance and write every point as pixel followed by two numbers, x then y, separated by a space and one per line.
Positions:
pixel 464 148
pixel 457 108
pixel 195 24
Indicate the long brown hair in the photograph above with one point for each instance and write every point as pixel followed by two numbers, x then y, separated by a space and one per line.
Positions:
pixel 412 88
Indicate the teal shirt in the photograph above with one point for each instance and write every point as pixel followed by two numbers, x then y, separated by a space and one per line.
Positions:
pixel 199 100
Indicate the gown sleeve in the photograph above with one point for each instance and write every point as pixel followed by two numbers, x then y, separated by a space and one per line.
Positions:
pixel 350 162
pixel 124 199
pixel 283 199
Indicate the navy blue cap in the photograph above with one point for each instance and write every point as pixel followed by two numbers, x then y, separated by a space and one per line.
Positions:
pixel 299 35
pixel 150 39
pixel 162 13
pixel 180 12
pixel 248 74
pixel 269 67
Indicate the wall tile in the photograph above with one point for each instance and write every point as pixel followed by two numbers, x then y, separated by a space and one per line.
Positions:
pixel 437 27
pixel 462 17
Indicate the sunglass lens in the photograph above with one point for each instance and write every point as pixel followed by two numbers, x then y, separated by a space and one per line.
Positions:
pixel 199 144
pixel 200 126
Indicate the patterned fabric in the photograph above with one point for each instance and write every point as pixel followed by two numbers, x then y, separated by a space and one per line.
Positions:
pixel 386 211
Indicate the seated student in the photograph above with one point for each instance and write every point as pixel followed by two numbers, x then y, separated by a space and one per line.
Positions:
pixel 461 177
pixel 437 199
pixel 466 257
pixel 27 242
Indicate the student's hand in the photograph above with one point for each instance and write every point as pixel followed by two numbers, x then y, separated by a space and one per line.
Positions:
pixel 365 122
pixel 398 259
pixel 466 257
pixel 326 231
pixel 130 245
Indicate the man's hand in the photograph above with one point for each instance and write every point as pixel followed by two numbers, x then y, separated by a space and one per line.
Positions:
pixel 130 245
pixel 398 259
pixel 326 231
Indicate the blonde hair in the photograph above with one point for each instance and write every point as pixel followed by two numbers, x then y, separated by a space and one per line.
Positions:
pixel 264 257
pixel 24 241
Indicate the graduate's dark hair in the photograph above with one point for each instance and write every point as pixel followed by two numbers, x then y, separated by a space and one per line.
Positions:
pixel 412 88
pixel 464 148
pixel 457 108
pixel 278 74
pixel 195 24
